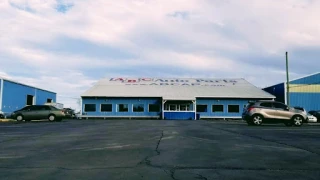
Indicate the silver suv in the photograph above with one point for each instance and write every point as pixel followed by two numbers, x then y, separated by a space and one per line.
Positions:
pixel 259 112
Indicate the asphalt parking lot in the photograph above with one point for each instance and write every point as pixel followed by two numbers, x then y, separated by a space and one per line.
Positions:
pixel 140 149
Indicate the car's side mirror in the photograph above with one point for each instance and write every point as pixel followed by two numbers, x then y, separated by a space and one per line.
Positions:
pixel 287 108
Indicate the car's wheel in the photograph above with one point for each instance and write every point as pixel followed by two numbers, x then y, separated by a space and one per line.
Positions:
pixel 19 117
pixel 297 120
pixel 52 118
pixel 257 119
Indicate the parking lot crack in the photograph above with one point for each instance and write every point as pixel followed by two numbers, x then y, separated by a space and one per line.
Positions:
pixel 172 173
pixel 157 148
pixel 67 169
pixel 201 177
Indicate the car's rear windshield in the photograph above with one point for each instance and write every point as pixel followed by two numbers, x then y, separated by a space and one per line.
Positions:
pixel 249 105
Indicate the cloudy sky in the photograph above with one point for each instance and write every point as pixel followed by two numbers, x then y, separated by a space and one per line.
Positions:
pixel 67 45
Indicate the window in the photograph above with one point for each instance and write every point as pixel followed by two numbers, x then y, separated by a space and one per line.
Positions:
pixel 138 108
pixel 154 108
pixel 106 108
pixel 183 107
pixel 29 100
pixel 266 105
pixel 49 100
pixel 44 108
pixel 89 108
pixel 217 108
pixel 53 108
pixel 122 107
pixel 27 108
pixel 35 108
pixel 233 108
pixel 202 108
pixel 280 106
pixel 173 107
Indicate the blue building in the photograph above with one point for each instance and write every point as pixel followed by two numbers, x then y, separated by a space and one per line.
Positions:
pixel 303 92
pixel 15 95
pixel 169 98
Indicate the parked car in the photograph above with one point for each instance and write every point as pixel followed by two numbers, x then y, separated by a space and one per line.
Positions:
pixel 312 118
pixel 304 112
pixel 301 109
pixel 37 112
pixel 1 115
pixel 256 113
pixel 315 114
pixel 70 113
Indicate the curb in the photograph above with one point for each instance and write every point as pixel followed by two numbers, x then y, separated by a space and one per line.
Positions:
pixel 7 120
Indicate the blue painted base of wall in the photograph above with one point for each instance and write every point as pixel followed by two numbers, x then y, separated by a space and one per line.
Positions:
pixel 179 115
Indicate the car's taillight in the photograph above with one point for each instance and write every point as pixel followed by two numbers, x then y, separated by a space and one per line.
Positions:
pixel 250 109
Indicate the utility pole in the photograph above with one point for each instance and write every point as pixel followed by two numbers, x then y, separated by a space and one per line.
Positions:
pixel 288 87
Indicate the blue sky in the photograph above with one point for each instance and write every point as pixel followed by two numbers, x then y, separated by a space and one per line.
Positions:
pixel 67 45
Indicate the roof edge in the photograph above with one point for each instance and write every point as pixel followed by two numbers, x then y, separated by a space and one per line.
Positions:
pixel 16 82
pixel 305 76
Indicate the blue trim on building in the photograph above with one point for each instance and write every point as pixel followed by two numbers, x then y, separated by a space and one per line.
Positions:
pixel 15 96
pixel 179 115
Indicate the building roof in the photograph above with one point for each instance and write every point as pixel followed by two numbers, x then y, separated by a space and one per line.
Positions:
pixel 176 88
pixel 308 79
pixel 16 82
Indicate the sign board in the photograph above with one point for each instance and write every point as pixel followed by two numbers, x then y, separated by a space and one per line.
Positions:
pixel 173 82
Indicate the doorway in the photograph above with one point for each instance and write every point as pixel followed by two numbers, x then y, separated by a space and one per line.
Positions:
pixel 30 100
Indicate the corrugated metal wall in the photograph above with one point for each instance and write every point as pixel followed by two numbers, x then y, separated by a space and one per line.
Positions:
pixel 42 96
pixel 15 96
pixel 312 79
pixel 278 91
pixel 305 92
pixel 310 101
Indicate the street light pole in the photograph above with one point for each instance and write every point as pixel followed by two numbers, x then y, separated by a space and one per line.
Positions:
pixel 288 87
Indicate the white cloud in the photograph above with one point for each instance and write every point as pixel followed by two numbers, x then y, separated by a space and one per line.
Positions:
pixel 200 39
